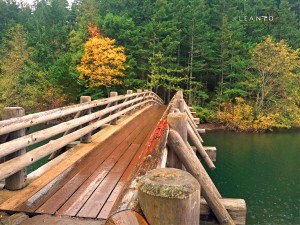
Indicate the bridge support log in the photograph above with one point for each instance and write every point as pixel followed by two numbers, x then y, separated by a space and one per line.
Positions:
pixel 18 179
pixel 178 122
pixel 195 130
pixel 192 135
pixel 235 207
pixel 170 196
pixel 193 166
pixel 88 137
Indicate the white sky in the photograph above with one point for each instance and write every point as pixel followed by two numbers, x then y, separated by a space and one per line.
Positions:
pixel 31 1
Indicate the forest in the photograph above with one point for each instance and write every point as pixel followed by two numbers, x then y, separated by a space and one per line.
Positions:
pixel 237 61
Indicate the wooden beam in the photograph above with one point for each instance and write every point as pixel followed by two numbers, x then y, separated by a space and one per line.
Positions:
pixel 16 180
pixel 14 124
pixel 88 137
pixel 197 121
pixel 16 164
pixel 127 217
pixel 235 207
pixel 192 164
pixel 177 121
pixel 14 145
pixel 200 148
pixel 54 168
pixel 113 94
pixel 195 130
pixel 201 131
pixel 211 152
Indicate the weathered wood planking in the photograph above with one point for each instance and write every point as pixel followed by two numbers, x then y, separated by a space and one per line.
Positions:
pixel 110 152
pixel 84 167
pixel 145 162
pixel 74 204
pixel 129 173
pixel 84 188
pixel 76 156
pixel 95 203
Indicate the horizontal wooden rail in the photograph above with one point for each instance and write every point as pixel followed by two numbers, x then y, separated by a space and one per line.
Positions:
pixel 28 140
pixel 14 165
pixel 14 124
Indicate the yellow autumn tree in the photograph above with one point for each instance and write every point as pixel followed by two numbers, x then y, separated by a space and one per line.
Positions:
pixel 102 62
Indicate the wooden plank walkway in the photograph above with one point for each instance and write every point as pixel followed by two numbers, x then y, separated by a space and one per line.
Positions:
pixel 90 188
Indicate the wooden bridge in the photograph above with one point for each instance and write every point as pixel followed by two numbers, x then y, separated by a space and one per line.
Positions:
pixel 100 154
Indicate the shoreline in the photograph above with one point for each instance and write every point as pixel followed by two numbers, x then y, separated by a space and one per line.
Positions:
pixel 212 127
pixel 218 127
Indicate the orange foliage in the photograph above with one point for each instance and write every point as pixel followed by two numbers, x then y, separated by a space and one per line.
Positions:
pixel 102 62
pixel 52 99
pixel 94 31
pixel 240 116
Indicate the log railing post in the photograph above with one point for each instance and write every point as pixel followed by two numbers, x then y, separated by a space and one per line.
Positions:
pixel 139 91
pixel 178 122
pixel 17 180
pixel 147 94
pixel 113 94
pixel 88 137
pixel 129 92
pixel 179 102
pixel 169 196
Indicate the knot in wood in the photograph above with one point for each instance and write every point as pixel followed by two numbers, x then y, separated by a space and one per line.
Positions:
pixel 168 183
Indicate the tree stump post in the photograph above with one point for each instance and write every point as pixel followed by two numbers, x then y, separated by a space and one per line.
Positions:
pixel 169 196
pixel 88 137
pixel 113 94
pixel 178 122
pixel 17 180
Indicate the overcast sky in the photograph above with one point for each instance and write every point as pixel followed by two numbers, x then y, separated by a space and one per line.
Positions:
pixel 31 1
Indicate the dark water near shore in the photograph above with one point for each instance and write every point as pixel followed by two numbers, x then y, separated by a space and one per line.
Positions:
pixel 264 169
pixel 44 160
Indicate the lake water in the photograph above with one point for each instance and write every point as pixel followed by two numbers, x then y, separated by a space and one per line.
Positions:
pixel 263 169
pixel 44 160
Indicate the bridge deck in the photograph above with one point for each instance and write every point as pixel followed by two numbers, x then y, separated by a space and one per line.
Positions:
pixel 89 188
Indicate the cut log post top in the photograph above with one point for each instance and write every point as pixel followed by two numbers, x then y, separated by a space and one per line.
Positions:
pixel 169 196
pixel 168 183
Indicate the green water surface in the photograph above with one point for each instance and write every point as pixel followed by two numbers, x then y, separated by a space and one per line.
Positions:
pixel 263 169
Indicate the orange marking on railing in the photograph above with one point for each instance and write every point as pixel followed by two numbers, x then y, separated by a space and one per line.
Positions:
pixel 157 134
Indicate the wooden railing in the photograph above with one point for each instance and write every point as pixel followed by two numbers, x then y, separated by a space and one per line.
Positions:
pixel 159 196
pixel 88 117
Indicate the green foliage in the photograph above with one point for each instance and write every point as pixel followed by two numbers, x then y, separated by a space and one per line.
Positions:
pixel 196 45
pixel 205 114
